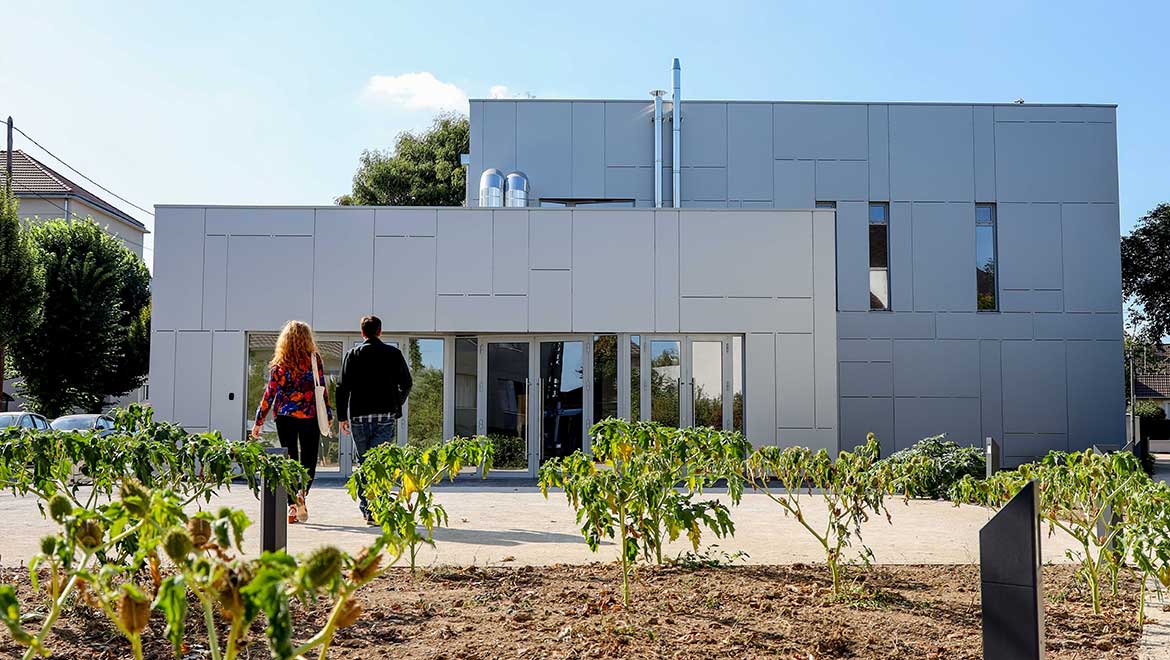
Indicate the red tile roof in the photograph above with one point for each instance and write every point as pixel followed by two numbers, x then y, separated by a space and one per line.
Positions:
pixel 32 178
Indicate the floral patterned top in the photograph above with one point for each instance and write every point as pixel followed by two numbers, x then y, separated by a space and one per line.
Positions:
pixel 290 393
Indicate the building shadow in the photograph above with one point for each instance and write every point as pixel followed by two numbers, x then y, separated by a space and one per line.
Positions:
pixel 504 537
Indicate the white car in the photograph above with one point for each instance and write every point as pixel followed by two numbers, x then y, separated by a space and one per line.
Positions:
pixel 101 424
pixel 24 420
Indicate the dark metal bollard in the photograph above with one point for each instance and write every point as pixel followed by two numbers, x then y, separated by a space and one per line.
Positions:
pixel 1010 580
pixel 991 453
pixel 273 512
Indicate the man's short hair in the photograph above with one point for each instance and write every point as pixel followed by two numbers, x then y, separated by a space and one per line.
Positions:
pixel 371 325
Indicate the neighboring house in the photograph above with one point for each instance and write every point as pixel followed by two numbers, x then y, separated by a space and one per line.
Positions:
pixel 1154 387
pixel 45 193
pixel 829 269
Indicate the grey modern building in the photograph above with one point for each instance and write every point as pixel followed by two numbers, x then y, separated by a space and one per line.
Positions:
pixel 829 269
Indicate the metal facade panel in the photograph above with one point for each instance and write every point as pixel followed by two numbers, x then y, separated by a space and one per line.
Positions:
pixel 510 251
pixel 613 280
pixel 865 350
pixel 1034 387
pixel 879 153
pixel 735 315
pixel 712 239
pixel 403 284
pixel 704 135
pixel 860 416
pixel 1091 249
pixel 991 390
pixel 193 389
pixel 666 271
pixel 795 369
pixel 842 180
pixel 457 313
pixel 759 363
pixel 930 367
pixel 1055 162
pixel 475 142
pixel 852 256
pixel 915 419
pixel 499 137
pixel 409 222
pixel 902 258
pixel 550 301
pixel 588 161
pixel 819 130
pixel 630 183
pixel 629 133
pixel 931 155
pixel 984 145
pixel 866 379
pixel 1078 325
pixel 1096 392
pixel 880 325
pixel 343 251
pixel 229 359
pixel 250 221
pixel 943 258
pixel 749 151
pixel 794 183
pixel 544 147
pixel 177 300
pixel 550 237
pixel 825 322
pixel 162 374
pixel 215 283
pixel 977 325
pixel 702 184
pixel 464 265
pixel 1029 246
pixel 260 270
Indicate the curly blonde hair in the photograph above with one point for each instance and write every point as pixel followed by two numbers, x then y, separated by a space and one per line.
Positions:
pixel 294 346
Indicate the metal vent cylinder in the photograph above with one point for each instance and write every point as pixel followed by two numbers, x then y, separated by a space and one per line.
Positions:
pixel 516 189
pixel 491 188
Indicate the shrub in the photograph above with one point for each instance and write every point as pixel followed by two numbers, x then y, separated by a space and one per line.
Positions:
pixel 509 452
pixel 1149 410
pixel 946 462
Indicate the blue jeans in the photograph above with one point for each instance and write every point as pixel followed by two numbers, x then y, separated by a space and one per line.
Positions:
pixel 366 436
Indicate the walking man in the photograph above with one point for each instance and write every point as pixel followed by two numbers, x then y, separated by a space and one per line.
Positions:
pixel 373 385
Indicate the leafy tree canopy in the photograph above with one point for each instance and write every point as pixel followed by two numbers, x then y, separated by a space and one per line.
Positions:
pixel 1145 272
pixel 423 169
pixel 24 286
pixel 91 340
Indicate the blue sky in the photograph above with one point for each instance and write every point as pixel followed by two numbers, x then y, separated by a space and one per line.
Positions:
pixel 272 103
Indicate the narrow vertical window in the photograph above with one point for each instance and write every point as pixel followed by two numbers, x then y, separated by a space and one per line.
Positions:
pixel 605 375
pixel 826 205
pixel 985 257
pixel 879 256
pixel 635 378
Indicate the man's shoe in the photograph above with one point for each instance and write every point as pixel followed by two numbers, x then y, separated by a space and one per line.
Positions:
pixel 292 513
pixel 371 522
pixel 302 509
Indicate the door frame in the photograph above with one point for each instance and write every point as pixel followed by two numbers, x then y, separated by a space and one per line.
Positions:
pixel 481 399
pixel 686 396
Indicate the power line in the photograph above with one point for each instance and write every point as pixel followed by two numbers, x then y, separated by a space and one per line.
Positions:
pixel 79 172
pixel 13 180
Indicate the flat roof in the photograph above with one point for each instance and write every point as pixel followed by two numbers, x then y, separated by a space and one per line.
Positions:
pixel 1010 104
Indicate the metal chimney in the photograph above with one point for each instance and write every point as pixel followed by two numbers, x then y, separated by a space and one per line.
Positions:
pixel 658 94
pixel 516 189
pixel 676 135
pixel 491 188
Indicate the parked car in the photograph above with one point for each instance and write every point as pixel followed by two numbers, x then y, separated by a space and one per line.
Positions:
pixel 101 424
pixel 22 419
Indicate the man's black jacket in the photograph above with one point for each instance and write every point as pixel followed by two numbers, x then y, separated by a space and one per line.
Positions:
pixel 374 380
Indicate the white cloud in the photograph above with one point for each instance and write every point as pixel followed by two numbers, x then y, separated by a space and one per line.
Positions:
pixel 417 91
pixel 500 92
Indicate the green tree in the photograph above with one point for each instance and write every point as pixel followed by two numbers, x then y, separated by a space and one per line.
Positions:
pixel 23 292
pixel 423 169
pixel 1145 272
pixel 89 343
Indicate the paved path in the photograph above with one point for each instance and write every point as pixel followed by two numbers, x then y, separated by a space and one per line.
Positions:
pixel 516 525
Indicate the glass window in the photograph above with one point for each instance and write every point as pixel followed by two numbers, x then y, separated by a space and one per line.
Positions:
pixel 8 419
pixel 826 205
pixel 605 379
pixel 466 383
pixel 561 397
pixel 707 383
pixel 507 387
pixel 985 257
pixel 665 376
pixel 43 425
pixel 26 422
pixel 879 256
pixel 737 383
pixel 424 414
pixel 635 378
pixel 592 203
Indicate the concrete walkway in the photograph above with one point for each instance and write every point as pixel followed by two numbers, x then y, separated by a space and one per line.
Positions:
pixel 516 525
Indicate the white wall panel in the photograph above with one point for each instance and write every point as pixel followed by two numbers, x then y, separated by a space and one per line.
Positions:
pixel 510 251
pixel 193 384
pixel 229 359
pixel 254 221
pixel 343 249
pixel 760 388
pixel 550 301
pixel 550 236
pixel 735 315
pixel 794 373
pixel 162 374
pixel 481 313
pixel 612 278
pixel 820 130
pixel 931 155
pixel 271 281
pixel 666 271
pixel 412 222
pixel 404 284
pixel 712 239
pixel 215 283
pixel 464 266
pixel 177 300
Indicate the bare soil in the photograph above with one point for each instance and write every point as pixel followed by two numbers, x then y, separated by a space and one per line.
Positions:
pixel 568 612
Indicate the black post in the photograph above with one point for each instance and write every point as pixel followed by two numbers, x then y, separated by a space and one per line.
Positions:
pixel 8 158
pixel 273 516
pixel 1010 580
pixel 991 454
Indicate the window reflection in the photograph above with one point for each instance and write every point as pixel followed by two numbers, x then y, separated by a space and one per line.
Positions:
pixel 605 380
pixel 665 374
pixel 879 256
pixel 425 408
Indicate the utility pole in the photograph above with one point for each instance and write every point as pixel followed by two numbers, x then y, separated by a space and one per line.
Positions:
pixel 8 158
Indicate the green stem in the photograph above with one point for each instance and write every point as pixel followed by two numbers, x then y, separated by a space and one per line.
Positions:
pixel 54 612
pixel 208 619
pixel 622 550
pixel 136 645
pixel 1141 613
pixel 230 651
pixel 325 635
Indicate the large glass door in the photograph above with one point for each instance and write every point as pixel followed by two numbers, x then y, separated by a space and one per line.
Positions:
pixel 707 379
pixel 561 392
pixel 504 403
pixel 690 381
pixel 664 356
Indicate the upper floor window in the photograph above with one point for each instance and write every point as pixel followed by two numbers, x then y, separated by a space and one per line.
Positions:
pixel 879 255
pixel 826 205
pixel 593 203
pixel 985 257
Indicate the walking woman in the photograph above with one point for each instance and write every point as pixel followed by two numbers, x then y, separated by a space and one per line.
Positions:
pixel 291 397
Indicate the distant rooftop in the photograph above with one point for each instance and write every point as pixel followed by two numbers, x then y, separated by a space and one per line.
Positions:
pixel 33 179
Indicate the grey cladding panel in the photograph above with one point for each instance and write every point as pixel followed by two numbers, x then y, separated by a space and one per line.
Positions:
pixel 931 155
pixel 162 373
pixel 946 368
pixel 177 285
pixel 1029 246
pixel 795 184
pixel 820 131
pixel 944 257
pixel 842 180
pixel 879 152
pixel 984 118
pixel 510 251
pixel 712 239
pixel 794 373
pixel 342 286
pixel 903 265
pixel 404 283
pixel 464 266
pixel 749 151
pixel 1090 239
pixel 215 283
pixel 550 301
pixel 499 137
pixel 253 221
pixel 260 268
pixel 852 256
pixel 760 388
pixel 704 135
pixel 1096 399
pixel 588 163
pixel 409 222
pixel 703 184
pixel 666 275
pixel 193 389
pixel 915 419
pixel 1034 387
pixel 1056 162
pixel 630 183
pixel 866 379
pixel 862 416
pixel 550 236
pixel 613 280
pixel 629 134
pixel 544 147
